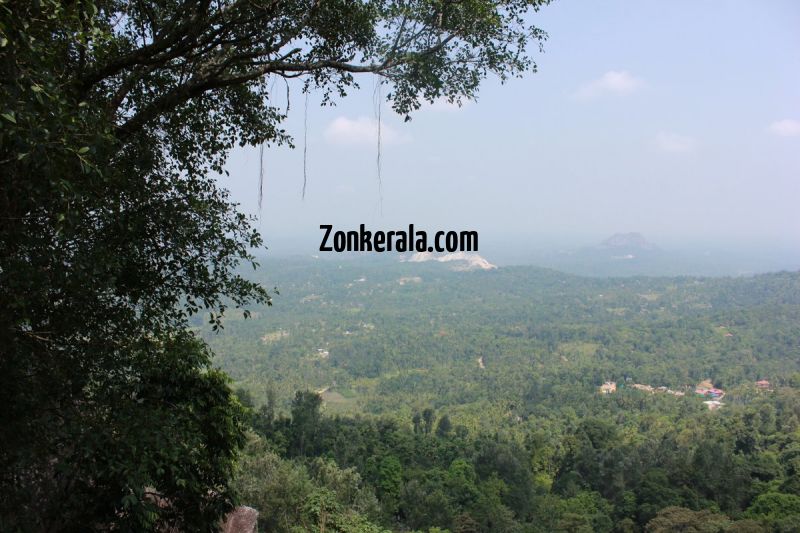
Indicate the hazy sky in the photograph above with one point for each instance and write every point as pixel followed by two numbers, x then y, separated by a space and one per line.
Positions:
pixel 680 120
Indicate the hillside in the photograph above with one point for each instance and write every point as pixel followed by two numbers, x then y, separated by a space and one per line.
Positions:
pixel 568 400
pixel 384 324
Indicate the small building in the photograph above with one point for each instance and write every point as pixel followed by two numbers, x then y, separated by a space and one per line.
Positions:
pixel 608 387
pixel 714 394
pixel 639 386
pixel 713 405
pixel 763 384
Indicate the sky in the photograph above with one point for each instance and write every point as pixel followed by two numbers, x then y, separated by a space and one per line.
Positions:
pixel 679 120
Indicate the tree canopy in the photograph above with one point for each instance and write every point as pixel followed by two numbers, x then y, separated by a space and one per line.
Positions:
pixel 114 117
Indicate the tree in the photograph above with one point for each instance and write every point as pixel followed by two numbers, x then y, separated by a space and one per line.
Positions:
pixel 305 420
pixel 114 116
pixel 682 519
pixel 390 482
pixel 288 494
pixel 428 418
pixel 464 523
pixel 461 483
pixel 264 417
pixel 774 506
pixel 444 426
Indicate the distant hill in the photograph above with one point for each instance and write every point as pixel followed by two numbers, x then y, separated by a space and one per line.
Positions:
pixel 628 241
pixel 622 254
pixel 632 254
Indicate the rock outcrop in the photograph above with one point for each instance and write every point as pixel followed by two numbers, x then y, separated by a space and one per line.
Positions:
pixel 241 520
pixel 459 260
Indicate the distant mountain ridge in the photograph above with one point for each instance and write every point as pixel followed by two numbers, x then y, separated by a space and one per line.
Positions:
pixel 631 240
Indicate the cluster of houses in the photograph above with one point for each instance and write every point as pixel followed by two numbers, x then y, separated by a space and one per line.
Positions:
pixel 709 392
pixel 706 390
pixel 714 395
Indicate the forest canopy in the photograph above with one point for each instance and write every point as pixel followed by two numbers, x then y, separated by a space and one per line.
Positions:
pixel 478 401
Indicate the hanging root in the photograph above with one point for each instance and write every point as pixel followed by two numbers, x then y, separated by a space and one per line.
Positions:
pixel 377 100
pixel 305 147
pixel 260 176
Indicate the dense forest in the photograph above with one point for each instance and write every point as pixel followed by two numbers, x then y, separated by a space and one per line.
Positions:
pixel 408 397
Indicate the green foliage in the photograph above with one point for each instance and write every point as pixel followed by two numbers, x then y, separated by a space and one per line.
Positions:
pixel 305 420
pixel 114 117
pixel 390 480
pixel 778 510
pixel 166 432
pixel 533 445
pixel 292 496
pixel 680 519
pixel 444 426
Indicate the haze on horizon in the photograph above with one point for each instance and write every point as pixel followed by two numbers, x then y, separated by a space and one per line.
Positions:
pixel 677 120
